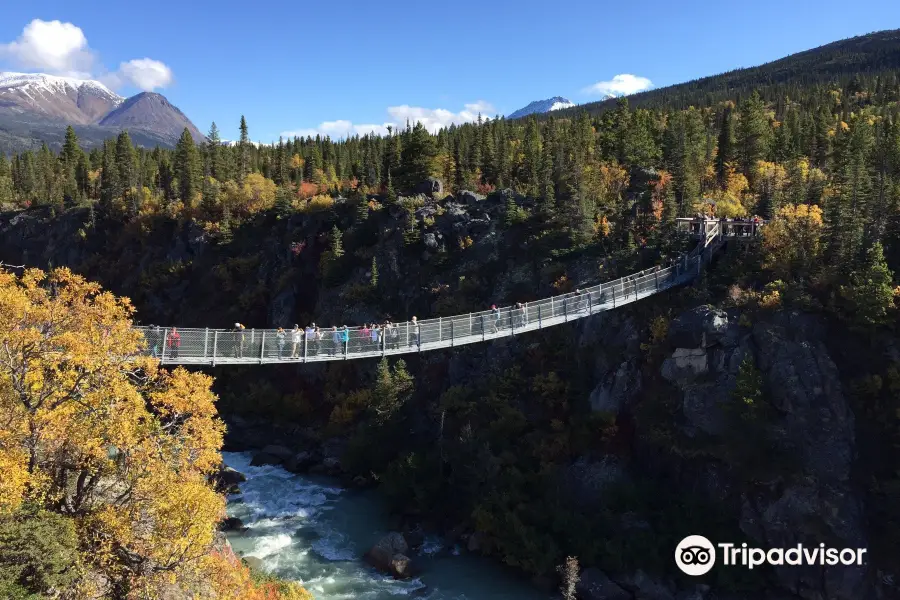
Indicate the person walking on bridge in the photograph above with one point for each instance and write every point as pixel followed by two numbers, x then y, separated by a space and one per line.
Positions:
pixel 280 338
pixel 414 325
pixel 345 339
pixel 365 336
pixel 311 339
pixel 154 337
pixel 495 318
pixel 296 340
pixel 174 343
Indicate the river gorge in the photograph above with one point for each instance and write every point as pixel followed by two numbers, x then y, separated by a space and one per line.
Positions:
pixel 311 530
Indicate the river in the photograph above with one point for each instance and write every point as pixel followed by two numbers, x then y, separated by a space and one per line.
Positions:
pixel 310 530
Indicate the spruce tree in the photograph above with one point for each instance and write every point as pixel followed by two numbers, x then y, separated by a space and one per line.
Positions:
pixel 754 136
pixel 869 297
pixel 213 165
pixel 725 146
pixel 186 167
pixel 416 157
pixel 244 151
pixel 284 206
pixel 108 178
pixel 337 245
pixel 125 168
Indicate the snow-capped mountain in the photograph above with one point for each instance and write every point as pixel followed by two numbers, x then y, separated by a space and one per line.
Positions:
pixel 35 107
pixel 76 101
pixel 542 106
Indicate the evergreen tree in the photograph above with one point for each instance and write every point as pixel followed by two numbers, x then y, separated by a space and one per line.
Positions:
pixel 284 206
pixel 108 178
pixel 213 163
pixel 846 210
pixel 244 152
pixel 337 246
pixel 685 144
pixel 530 177
pixel 725 146
pixel 869 298
pixel 416 157
pixel 70 150
pixel 754 136
pixel 186 167
pixel 125 168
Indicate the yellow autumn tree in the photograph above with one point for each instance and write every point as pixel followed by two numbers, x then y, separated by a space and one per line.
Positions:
pixel 256 194
pixel 730 201
pixel 791 242
pixel 97 433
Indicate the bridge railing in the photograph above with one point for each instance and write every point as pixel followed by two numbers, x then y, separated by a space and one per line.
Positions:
pixel 212 346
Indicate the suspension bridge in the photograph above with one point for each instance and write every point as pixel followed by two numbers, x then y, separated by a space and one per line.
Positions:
pixel 176 345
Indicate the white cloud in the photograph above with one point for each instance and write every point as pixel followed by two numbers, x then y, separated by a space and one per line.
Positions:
pixel 620 85
pixel 338 129
pixel 53 47
pixel 61 48
pixel 433 119
pixel 146 74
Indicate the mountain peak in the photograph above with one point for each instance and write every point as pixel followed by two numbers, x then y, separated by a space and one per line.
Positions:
pixel 542 106
pixel 152 112
pixel 75 101
pixel 52 83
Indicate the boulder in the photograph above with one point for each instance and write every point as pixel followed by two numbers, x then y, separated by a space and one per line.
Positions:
pixel 473 544
pixel 426 212
pixel 469 198
pixel 232 524
pixel 431 186
pixel 389 555
pixel 253 563
pixel 430 241
pixel 595 585
pixel 272 455
pixel 300 462
pixel 698 328
pixel 230 476
pixel 332 464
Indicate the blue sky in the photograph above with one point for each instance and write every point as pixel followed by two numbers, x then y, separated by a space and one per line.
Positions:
pixel 350 66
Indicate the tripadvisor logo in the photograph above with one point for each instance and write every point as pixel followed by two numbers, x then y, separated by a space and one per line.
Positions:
pixel 695 555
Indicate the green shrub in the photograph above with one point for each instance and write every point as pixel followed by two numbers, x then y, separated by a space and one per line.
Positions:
pixel 38 554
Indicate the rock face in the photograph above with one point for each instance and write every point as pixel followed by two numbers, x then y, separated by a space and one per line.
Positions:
pixel 709 349
pixel 389 556
pixel 812 423
pixel 817 426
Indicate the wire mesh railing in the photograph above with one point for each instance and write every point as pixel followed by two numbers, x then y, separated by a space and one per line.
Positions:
pixel 175 345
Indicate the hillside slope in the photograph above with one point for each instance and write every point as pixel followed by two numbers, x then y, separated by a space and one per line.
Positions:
pixel 875 54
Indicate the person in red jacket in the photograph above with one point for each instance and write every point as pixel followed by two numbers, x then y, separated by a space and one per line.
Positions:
pixel 174 343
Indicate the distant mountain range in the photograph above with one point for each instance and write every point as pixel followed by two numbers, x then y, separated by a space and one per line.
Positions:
pixel 542 106
pixel 36 108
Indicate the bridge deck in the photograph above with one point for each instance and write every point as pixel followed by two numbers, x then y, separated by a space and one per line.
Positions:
pixel 218 347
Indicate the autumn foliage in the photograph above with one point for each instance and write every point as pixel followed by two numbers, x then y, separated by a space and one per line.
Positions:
pixel 96 433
